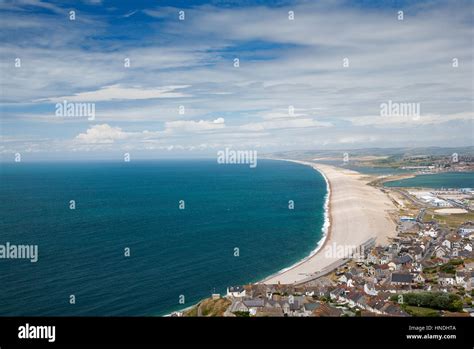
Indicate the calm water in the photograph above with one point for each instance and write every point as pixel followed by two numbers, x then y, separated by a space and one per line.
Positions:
pixel 174 252
pixel 439 180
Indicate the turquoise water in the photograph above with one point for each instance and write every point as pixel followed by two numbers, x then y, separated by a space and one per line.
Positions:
pixel 174 252
pixel 439 180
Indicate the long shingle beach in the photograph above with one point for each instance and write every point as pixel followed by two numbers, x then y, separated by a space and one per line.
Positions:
pixel 357 212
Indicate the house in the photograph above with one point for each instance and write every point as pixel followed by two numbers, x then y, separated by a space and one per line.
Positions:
pixel 417 252
pixel 369 288
pixel 460 276
pixel 440 251
pixel 469 266
pixel 417 267
pixel 431 233
pixel 375 305
pixel 446 243
pixel 356 299
pixel 373 257
pixel 392 266
pixel 380 271
pixel 386 258
pixel 356 272
pixel 236 292
pixel 446 279
pixel 238 306
pixel 337 294
pixel 401 279
pixel 296 308
pixel 309 308
pixel 466 231
pixel 274 308
pixel 419 279
pixel 393 310
pixel 401 262
pixel 465 279
pixel 466 254
pixel 346 278
pixel 325 310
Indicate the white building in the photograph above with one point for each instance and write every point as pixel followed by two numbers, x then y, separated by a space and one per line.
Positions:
pixel 236 292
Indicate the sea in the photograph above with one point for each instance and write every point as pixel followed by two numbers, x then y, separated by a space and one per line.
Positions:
pixel 437 181
pixel 146 238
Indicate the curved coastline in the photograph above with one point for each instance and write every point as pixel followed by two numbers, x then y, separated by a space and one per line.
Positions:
pixel 358 213
pixel 354 213
pixel 325 228
pixel 319 245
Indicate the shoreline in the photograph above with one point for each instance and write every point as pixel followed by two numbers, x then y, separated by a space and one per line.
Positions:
pixel 326 228
pixel 291 274
pixel 357 214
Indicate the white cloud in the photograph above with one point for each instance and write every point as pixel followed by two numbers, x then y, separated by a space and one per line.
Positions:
pixel 102 134
pixel 409 121
pixel 192 63
pixel 194 126
pixel 284 124
pixel 117 92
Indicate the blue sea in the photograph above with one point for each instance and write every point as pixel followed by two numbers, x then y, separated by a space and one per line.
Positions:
pixel 174 252
pixel 437 181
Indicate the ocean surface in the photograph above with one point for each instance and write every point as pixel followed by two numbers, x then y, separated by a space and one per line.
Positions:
pixel 174 252
pixel 439 180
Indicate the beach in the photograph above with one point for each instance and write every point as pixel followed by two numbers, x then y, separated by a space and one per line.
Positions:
pixel 357 212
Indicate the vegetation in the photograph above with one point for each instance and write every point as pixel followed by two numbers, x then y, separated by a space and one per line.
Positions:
pixel 420 311
pixel 452 220
pixel 434 300
pixel 209 307
pixel 242 314
pixel 448 268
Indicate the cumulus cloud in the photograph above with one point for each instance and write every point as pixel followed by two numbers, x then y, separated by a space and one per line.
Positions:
pixel 102 134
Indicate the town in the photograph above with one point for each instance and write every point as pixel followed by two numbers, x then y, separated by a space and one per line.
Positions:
pixel 427 269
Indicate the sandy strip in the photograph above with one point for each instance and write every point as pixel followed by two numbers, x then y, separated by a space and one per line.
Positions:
pixel 450 211
pixel 357 212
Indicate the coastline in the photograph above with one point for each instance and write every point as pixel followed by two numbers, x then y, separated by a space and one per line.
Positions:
pixel 357 213
pixel 326 228
pixel 310 265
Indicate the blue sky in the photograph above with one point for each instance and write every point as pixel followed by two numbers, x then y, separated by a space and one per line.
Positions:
pixel 190 63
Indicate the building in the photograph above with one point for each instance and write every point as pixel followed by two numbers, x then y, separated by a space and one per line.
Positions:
pixel 236 292
pixel 446 279
pixel 401 279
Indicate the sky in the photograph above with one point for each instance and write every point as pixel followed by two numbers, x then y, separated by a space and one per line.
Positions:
pixel 165 86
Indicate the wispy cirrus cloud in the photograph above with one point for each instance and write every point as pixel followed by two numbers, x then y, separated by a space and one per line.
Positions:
pixel 283 63
pixel 117 92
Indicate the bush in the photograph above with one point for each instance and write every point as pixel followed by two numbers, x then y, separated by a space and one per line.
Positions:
pixel 434 300
pixel 419 311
